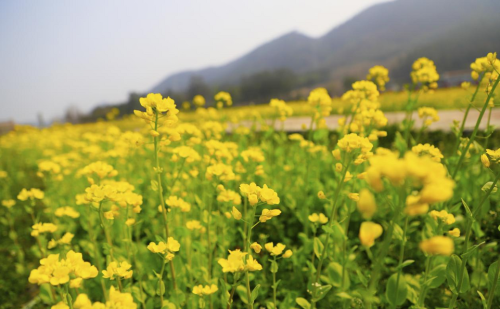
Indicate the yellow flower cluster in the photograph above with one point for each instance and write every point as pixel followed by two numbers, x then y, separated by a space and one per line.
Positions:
pixel 428 150
pixel 121 270
pixel 223 98
pixel 31 194
pixel 489 65
pixel 443 216
pixel 166 249
pixel 65 240
pixel 278 250
pixel 419 172
pixel 379 75
pixel 199 100
pixel 177 202
pixel 321 101
pixel 116 300
pixel 55 271
pixel 99 168
pixel 236 262
pixel 438 245
pixel 67 211
pixel 269 214
pixel 201 290
pixel 221 171
pixel 368 232
pixel 226 195
pixel 282 109
pixel 8 203
pixel 428 115
pixel 425 73
pixel 253 154
pixel 353 142
pixel 255 194
pixel 41 228
pixel 318 218
pixel 119 192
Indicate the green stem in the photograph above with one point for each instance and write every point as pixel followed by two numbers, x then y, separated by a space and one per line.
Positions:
pixel 274 286
pixel 162 201
pixel 476 129
pixel 423 292
pixel 462 126
pixel 493 286
pixel 333 218
pixel 160 282
pixel 401 256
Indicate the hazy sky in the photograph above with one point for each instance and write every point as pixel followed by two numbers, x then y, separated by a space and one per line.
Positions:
pixel 54 54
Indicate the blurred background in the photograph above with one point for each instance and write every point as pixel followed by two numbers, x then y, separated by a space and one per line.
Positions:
pixel 74 61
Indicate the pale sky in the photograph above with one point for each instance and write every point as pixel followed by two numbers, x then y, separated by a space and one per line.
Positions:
pixel 54 54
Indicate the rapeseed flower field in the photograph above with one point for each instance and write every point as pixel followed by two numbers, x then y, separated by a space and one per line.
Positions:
pixel 165 210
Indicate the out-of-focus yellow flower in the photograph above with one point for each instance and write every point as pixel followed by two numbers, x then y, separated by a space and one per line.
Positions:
pixel 256 247
pixel 455 232
pixel 366 204
pixel 121 270
pixel 269 214
pixel 274 250
pixel 379 75
pixel 368 232
pixel 414 207
pixel 199 100
pixel 194 225
pixel 236 213
pixel 321 195
pixel 234 262
pixel 443 215
pixel 8 203
pixel 222 98
pixel 31 194
pixel 201 290
pixel 485 161
pixel 437 245
pixel 288 253
pixel 40 228
pixel 425 73
pixel 318 218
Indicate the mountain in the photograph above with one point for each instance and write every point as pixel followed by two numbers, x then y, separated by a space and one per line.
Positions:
pixel 451 32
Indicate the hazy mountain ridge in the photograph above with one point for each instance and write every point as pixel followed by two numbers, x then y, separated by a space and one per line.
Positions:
pixel 387 33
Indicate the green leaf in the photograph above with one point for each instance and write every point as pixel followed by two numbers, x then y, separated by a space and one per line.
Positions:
pixel 242 293
pixel 471 250
pixel 491 277
pixel 338 231
pixel 438 275
pixel 327 229
pixel 483 300
pixel 362 278
pixel 405 263
pixel 321 292
pixel 160 288
pixel 318 247
pixel 393 286
pixel 303 303
pixel 274 266
pixel 225 293
pixel 255 293
pixel 154 185
pixel 45 294
pixel 453 273
pixel 467 208
pixel 334 277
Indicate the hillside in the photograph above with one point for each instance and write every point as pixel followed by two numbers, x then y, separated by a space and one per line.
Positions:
pixel 392 34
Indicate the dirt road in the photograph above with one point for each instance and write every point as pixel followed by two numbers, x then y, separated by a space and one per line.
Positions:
pixel 294 124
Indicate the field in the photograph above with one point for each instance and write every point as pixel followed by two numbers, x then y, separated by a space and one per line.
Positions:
pixel 166 209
